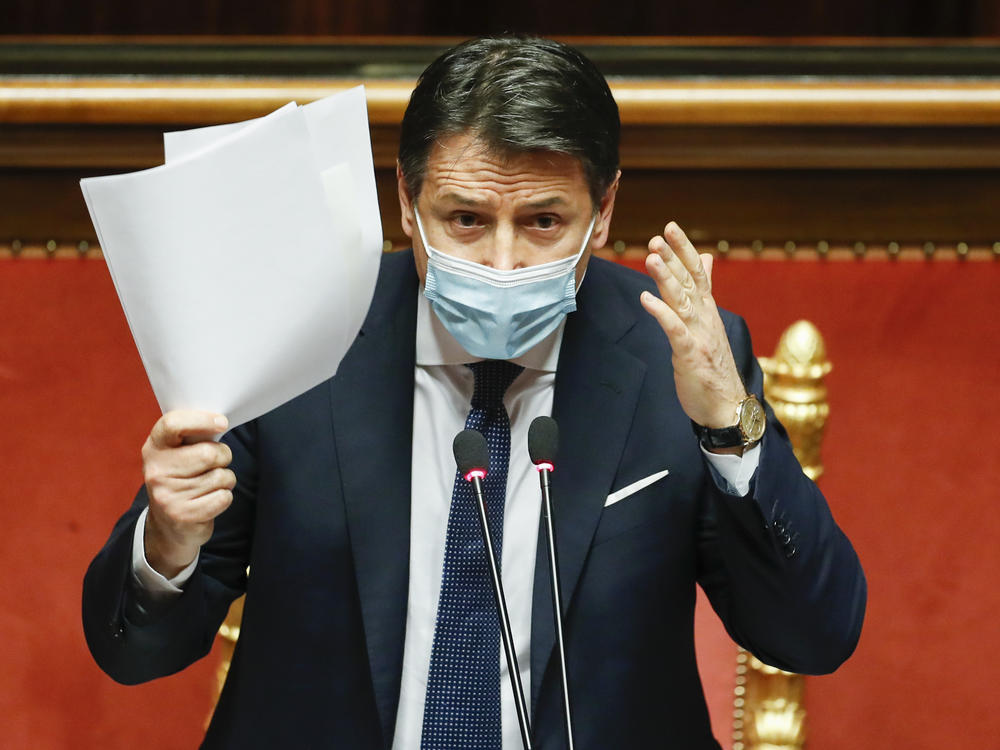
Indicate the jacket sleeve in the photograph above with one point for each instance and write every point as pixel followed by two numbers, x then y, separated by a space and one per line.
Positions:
pixel 132 647
pixel 777 569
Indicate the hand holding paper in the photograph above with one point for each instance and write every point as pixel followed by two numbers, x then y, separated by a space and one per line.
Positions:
pixel 188 484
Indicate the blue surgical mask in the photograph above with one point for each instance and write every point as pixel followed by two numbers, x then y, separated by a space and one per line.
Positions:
pixel 498 314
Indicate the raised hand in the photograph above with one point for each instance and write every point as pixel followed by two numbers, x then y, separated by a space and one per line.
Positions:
pixel 708 384
pixel 188 486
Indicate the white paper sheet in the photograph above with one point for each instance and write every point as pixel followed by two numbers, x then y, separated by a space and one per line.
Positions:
pixel 246 264
pixel 338 127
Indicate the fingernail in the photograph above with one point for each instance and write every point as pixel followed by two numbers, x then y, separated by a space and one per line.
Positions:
pixel 221 422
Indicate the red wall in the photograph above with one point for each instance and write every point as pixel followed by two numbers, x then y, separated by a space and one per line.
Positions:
pixel 912 469
pixel 74 409
pixel 912 475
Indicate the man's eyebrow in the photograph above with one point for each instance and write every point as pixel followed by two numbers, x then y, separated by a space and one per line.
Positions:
pixel 555 200
pixel 465 200
pixel 462 200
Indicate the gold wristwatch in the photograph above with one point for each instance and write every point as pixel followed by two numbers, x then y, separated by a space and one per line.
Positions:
pixel 749 428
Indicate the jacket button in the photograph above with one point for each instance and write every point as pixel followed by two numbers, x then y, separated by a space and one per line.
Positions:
pixel 790 551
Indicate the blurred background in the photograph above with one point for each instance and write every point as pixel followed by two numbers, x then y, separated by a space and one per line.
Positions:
pixel 777 18
pixel 842 160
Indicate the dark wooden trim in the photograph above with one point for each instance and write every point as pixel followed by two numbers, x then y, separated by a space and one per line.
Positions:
pixel 656 102
pixel 372 57
pixel 738 160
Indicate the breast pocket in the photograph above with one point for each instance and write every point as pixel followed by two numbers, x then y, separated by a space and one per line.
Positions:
pixel 633 505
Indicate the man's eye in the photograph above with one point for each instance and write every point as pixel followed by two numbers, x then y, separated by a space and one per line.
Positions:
pixel 545 222
pixel 466 220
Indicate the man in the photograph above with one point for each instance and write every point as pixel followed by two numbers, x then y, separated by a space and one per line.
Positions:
pixel 365 623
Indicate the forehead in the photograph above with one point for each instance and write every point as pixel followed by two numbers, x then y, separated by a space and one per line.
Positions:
pixel 463 169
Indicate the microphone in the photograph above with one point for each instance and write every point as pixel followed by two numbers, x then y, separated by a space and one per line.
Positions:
pixel 471 454
pixel 473 459
pixel 543 443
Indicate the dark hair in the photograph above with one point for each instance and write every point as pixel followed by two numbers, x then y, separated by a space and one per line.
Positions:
pixel 517 95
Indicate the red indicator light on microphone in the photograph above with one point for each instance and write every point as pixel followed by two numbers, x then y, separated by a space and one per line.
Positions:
pixel 545 466
pixel 475 473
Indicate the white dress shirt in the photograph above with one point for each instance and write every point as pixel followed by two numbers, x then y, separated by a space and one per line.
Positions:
pixel 442 396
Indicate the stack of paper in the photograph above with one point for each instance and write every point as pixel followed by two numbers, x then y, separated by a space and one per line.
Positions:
pixel 246 263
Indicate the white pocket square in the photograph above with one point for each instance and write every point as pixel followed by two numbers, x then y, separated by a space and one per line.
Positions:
pixel 624 492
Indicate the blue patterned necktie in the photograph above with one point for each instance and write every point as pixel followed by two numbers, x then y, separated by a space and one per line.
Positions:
pixel 462 708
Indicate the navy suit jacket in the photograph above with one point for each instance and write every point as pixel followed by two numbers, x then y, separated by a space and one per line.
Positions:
pixel 322 516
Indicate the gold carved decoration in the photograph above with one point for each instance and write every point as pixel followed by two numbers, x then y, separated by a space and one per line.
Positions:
pixel 769 709
pixel 794 386
pixel 229 633
pixel 768 712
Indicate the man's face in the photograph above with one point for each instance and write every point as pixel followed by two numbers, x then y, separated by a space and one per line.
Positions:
pixel 503 213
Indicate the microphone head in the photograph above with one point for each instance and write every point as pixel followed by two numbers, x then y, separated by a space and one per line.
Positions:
pixel 543 440
pixel 471 452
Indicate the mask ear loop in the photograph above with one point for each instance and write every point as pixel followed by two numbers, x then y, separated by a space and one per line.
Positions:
pixel 590 233
pixel 420 231
pixel 586 241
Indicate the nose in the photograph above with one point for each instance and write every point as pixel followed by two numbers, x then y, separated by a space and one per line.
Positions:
pixel 502 253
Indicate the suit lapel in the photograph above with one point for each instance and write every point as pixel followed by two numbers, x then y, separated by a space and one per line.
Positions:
pixel 372 401
pixel 597 388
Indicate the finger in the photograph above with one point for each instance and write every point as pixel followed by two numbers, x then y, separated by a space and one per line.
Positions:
pixel 675 328
pixel 673 265
pixel 671 290
pixel 688 255
pixel 204 508
pixel 190 460
pixel 174 427
pixel 182 489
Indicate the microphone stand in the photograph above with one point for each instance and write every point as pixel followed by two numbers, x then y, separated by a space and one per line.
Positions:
pixel 476 478
pixel 544 469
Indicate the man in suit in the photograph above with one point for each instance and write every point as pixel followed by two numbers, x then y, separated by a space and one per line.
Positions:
pixel 359 629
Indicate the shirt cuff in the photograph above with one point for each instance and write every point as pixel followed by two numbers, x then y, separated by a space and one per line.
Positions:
pixel 733 473
pixel 150 582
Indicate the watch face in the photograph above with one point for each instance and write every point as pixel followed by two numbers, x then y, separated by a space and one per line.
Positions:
pixel 752 419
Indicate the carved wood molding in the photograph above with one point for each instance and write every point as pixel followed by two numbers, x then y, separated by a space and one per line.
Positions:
pixel 824 251
pixel 16 250
pixel 187 101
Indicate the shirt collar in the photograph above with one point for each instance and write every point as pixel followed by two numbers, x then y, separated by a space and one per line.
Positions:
pixel 436 346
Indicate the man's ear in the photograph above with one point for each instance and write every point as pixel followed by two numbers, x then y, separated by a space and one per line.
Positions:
pixel 405 202
pixel 602 227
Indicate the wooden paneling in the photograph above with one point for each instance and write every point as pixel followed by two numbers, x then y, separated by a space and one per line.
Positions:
pixel 737 206
pixel 809 147
pixel 654 102
pixel 644 147
pixel 795 159
pixel 403 58
pixel 625 17
pixel 843 206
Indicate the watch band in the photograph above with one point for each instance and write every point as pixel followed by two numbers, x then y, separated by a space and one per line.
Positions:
pixel 718 437
pixel 749 427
